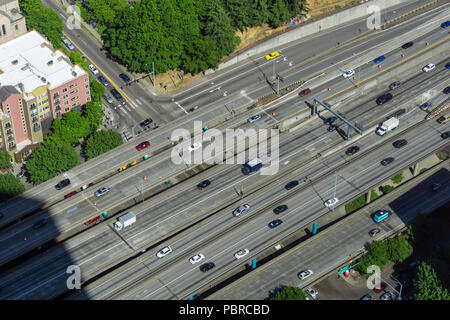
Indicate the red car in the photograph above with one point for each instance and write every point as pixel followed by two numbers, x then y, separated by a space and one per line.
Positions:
pixel 143 145
pixel 96 219
pixel 70 194
pixel 305 92
pixel 383 286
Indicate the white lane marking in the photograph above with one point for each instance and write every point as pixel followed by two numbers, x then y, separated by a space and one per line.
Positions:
pixel 181 107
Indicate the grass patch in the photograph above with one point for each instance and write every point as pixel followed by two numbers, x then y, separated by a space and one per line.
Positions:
pixel 387 189
pixel 423 170
pixel 355 204
pixel 373 195
pixel 442 155
pixel 397 178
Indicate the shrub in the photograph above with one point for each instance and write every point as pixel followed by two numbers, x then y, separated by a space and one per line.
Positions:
pixel 397 178
pixel 10 186
pixel 290 293
pixel 5 160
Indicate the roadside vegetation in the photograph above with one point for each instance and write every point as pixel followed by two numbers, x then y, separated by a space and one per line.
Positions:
pixel 360 202
pixel 290 293
pixel 10 186
pixel 5 160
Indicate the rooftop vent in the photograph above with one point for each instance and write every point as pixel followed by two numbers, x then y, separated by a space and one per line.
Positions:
pixel 74 73
pixel 50 63
pixel 15 62
pixel 43 79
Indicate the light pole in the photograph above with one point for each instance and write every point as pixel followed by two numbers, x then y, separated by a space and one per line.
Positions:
pixel 335 184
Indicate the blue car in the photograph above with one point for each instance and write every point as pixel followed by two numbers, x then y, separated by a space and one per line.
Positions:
pixel 445 24
pixel 379 59
pixel 447 65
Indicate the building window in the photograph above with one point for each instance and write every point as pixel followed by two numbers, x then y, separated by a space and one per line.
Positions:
pixel 4 29
pixel 86 86
pixel 74 91
pixel 17 27
pixel 73 85
pixel 65 96
pixel 66 109
pixel 74 98
pixel 64 90
pixel 86 79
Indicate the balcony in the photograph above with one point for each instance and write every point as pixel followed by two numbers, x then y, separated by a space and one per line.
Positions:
pixel 37 128
pixel 10 138
pixel 9 131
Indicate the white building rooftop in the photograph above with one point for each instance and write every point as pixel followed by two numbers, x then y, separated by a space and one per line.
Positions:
pixel 27 60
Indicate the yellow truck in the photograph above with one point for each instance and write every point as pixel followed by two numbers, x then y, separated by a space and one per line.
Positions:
pixel 127 166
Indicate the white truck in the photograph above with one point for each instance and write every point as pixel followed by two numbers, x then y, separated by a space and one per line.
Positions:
pixel 125 221
pixel 388 125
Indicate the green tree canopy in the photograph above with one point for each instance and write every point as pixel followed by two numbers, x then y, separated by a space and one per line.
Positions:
pixel 101 142
pixel 5 160
pixel 75 58
pixel 377 254
pixel 427 285
pixel 10 186
pixel 399 248
pixel 290 293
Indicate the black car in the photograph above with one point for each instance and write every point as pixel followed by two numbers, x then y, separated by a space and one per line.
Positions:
pixel 400 143
pixel 387 161
pixel 103 80
pixel 62 184
pixel 280 209
pixel 407 45
pixel 330 120
pixel 332 128
pixel 291 185
pixel 445 135
pixel 146 122
pixel 207 266
pixel 352 150
pixel 116 94
pixel 204 184
pixel 384 98
pixel 125 77
pixel 446 90
pixel 275 223
pixel 39 223
pixel 426 106
pixel 394 85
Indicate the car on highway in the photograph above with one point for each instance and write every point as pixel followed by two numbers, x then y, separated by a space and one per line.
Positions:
pixel 253 118
pixel 446 90
pixel 70 194
pixel 146 122
pixel 429 67
pixel 379 59
pixel 125 77
pixel 330 120
pixel 348 73
pixel 280 209
pixel 407 45
pixel 387 161
pixel 426 106
pixel 445 135
pixel 291 184
pixel 196 258
pixel 241 209
pixel 116 94
pixel 447 65
pixel 400 143
pixel 381 215
pixel 379 289
pixel 384 98
pixel 207 266
pixel 241 253
pixel 332 128
pixel 445 24
pixel 108 98
pixel 204 184
pixel 164 252
pixel 93 69
pixel 62 184
pixel 68 44
pixel 304 92
pixel 374 232
pixel 40 223
pixel 311 292
pixel 95 220
pixel 142 145
pixel 275 223
pixel 272 55
pixel 443 119
pixel 305 274
pixel 387 296
pixel 331 202
pixel 352 150
pixel 394 85
pixel 102 191
pixel 367 297
pixel 194 146
pixel 103 81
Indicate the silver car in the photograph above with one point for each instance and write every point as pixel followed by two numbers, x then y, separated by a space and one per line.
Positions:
pixel 102 191
pixel 108 98
pixel 240 210
pixel 254 118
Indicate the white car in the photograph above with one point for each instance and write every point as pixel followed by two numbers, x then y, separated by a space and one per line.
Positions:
pixel 164 252
pixel 429 67
pixel 241 253
pixel 305 274
pixel 348 73
pixel 387 296
pixel 253 118
pixel 196 258
pixel 195 146
pixel 241 209
pixel 311 292
pixel 331 202
pixel 93 69
pixel 102 191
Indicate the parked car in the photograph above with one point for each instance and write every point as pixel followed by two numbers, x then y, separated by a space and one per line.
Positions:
pixel 280 209
pixel 374 232
pixel 40 223
pixel 384 98
pixel 291 184
pixel 103 81
pixel 116 94
pixel 204 184
pixel 379 59
pixel 275 223
pixel 305 274
pixel 394 85
pixel 331 202
pixel 352 150
pixel 241 209
pixel 196 258
pixel 272 55
pixel 387 161
pixel 93 69
pixel 241 253
pixel 367 297
pixel 426 106
pixel 383 286
pixel 108 98
pixel 62 184
pixel 311 292
pixel 407 45
pixel 125 77
pixel 429 67
pixel 445 135
pixel 146 122
pixel 400 143
pixel 142 145
pixel 253 118
pixel 164 252
pixel 348 73
pixel 207 266
pixel 68 44
pixel 102 191
pixel 387 296
pixel 304 92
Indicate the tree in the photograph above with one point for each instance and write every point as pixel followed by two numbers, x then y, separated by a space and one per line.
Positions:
pixel 240 12
pixel 10 186
pixel 261 12
pixel 279 14
pixel 397 178
pixel 75 58
pixel 399 248
pixel 49 160
pixel 101 142
pixel 5 160
pixel 106 11
pixel 377 254
pixel 200 55
pixel 97 91
pixel 69 129
pixel 290 293
pixel 427 285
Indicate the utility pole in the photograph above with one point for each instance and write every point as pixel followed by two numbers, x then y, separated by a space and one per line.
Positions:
pixel 335 184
